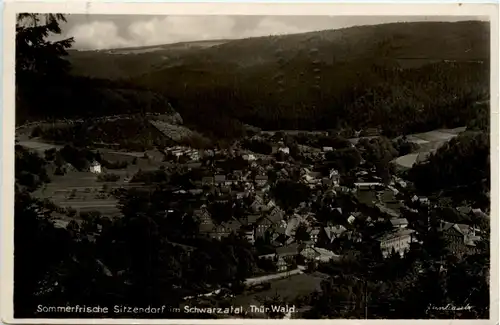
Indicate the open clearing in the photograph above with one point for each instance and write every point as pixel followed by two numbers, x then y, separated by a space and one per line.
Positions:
pixel 288 289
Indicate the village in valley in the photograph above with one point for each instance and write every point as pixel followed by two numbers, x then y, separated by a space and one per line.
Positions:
pixel 332 174
pixel 300 208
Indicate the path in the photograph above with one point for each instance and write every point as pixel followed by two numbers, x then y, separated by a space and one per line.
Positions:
pixel 265 278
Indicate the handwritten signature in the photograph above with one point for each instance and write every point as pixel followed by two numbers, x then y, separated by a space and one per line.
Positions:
pixel 450 307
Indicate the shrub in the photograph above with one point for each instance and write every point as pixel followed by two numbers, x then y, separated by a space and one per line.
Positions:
pixel 108 178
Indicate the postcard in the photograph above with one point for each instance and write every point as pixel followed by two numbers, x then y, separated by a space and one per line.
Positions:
pixel 240 163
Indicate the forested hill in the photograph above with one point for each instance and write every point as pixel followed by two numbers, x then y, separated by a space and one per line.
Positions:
pixel 83 97
pixel 404 77
pixel 395 44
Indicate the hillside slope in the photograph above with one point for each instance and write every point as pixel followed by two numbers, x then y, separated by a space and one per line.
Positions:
pixel 129 62
pixel 404 77
pixel 80 97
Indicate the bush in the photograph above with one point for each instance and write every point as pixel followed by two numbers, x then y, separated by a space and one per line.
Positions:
pixel 108 178
pixel 114 165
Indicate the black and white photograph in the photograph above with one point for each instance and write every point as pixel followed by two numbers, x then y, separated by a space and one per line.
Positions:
pixel 215 167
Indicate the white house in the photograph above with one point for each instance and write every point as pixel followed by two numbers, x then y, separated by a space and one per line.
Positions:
pixel 95 167
pixel 335 177
pixel 284 150
pixel 399 223
pixel 249 157
pixel 398 240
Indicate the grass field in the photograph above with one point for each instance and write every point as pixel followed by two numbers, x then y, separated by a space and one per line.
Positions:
pixel 288 289
pixel 83 192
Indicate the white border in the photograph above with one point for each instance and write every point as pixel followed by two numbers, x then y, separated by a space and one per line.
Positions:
pixel 91 7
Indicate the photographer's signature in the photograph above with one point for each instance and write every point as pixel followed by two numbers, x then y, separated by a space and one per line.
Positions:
pixel 450 307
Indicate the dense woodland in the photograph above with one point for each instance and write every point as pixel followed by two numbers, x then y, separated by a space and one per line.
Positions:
pixel 372 76
pixel 75 266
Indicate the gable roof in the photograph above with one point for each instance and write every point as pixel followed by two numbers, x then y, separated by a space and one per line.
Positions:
pixel 220 178
pixel 207 179
pixel 206 228
pixel 464 210
pixel 334 232
pixel 232 225
pixel 288 250
pixel 399 221
pixel 394 234
pixel 251 218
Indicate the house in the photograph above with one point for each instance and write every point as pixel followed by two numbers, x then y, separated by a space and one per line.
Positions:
pixel 258 204
pixel 193 165
pixel 288 254
pixel 279 227
pixel 202 215
pixel 318 254
pixel 249 157
pixel 276 215
pixel 326 182
pixel 223 198
pixel 207 181
pixel 388 211
pixel 284 150
pixel 422 200
pixel 461 238
pixel 95 167
pixel 401 183
pixel 261 180
pixel 333 232
pixel 238 175
pixel 232 226
pixel 398 240
pixel 261 227
pixel 368 185
pixel 399 223
pixel 195 191
pixel 220 179
pixel 334 175
pixel 464 210
pixel 314 233
pixel 271 204
pixel 353 236
pixel 292 225
pixel 281 264
pixel 250 219
pixel 327 149
pixel 248 234
pixel 278 239
pixel 480 213
pixel 219 232
pixel 241 195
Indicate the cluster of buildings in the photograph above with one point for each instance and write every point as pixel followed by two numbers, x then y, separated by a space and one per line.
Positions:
pixel 179 151
pixel 375 215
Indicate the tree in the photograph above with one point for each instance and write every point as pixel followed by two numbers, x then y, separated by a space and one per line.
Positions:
pixel 274 304
pixel 301 234
pixel 464 162
pixel 290 194
pixel 35 55
pixel 344 160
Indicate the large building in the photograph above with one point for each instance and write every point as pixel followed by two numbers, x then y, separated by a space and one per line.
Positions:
pixel 398 241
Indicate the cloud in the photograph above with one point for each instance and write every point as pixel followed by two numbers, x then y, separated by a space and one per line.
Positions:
pixel 173 29
pixel 98 35
pixel 271 26
pixel 105 31
pixel 170 29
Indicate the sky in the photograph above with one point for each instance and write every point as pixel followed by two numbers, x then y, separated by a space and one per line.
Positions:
pixel 93 32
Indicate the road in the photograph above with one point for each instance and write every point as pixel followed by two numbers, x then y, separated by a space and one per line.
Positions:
pixel 265 278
